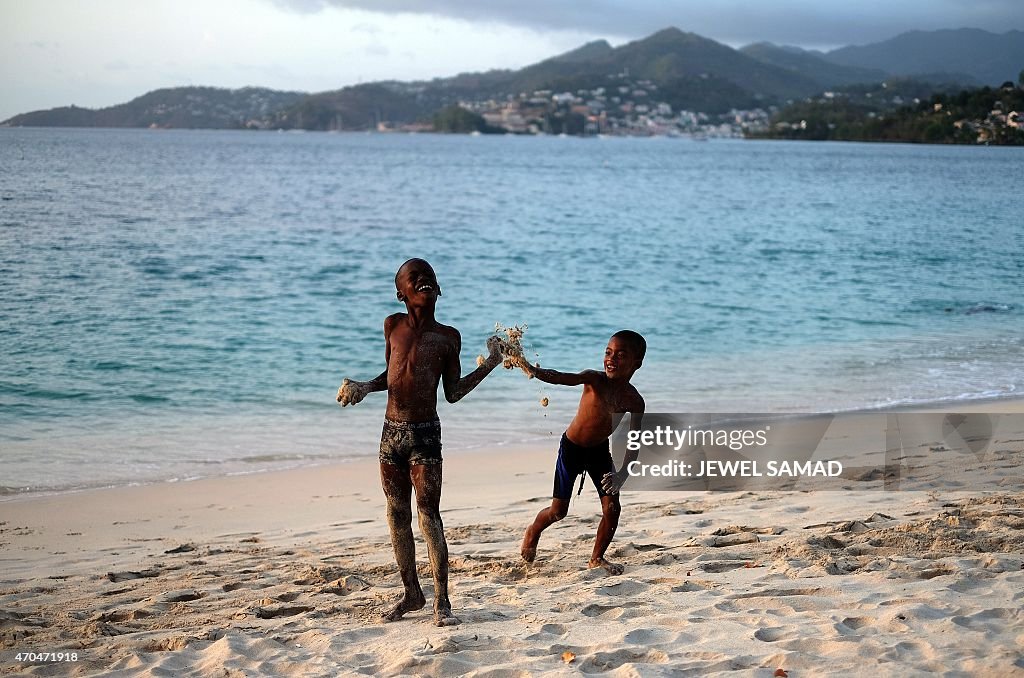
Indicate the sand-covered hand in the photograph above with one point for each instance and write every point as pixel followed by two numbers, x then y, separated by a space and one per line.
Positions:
pixel 495 349
pixel 512 347
pixel 352 392
pixel 611 482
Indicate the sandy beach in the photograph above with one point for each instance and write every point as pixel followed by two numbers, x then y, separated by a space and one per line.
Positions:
pixel 285 574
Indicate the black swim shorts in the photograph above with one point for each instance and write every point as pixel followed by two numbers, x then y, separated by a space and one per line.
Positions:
pixel 404 444
pixel 574 460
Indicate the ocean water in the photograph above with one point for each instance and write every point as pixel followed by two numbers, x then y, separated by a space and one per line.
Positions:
pixel 177 304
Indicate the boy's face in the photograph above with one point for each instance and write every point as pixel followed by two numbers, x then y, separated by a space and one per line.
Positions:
pixel 620 362
pixel 416 283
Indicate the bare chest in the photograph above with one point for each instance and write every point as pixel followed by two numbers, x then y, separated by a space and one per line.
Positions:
pixel 606 401
pixel 418 353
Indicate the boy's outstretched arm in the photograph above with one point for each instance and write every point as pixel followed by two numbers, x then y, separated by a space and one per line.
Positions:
pixel 561 378
pixel 457 387
pixel 352 392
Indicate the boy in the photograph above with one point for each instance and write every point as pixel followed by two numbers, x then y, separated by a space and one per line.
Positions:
pixel 419 353
pixel 607 396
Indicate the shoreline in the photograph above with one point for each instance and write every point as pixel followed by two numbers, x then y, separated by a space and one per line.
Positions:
pixel 245 501
pixel 988 404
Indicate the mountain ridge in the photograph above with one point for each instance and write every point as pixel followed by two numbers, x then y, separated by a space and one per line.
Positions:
pixel 689 72
pixel 991 58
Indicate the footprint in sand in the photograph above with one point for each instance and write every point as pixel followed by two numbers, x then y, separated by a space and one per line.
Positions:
pixel 103 629
pixel 547 631
pixel 648 637
pixel 633 549
pixel 168 644
pixel 777 593
pixel 992 620
pixel 716 566
pixel 124 576
pixel 609 661
pixel 691 586
pixel 554 629
pixel 121 615
pixel 183 596
pixel 184 548
pixel 275 611
pixel 933 572
pixel 627 587
pixel 856 623
pixel 116 592
pixel 618 611
pixel 733 540
pixel 771 634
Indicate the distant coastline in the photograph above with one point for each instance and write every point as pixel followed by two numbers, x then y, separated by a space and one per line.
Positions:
pixel 912 88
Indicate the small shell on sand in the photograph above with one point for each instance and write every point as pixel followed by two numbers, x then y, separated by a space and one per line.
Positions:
pixel 543 402
pixel 479 360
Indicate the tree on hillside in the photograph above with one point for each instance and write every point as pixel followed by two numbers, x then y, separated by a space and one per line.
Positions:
pixel 455 119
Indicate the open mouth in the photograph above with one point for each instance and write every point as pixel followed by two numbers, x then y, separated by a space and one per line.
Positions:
pixel 424 288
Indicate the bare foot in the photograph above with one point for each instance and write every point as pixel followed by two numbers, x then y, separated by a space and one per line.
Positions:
pixel 443 617
pixel 612 568
pixel 408 603
pixel 528 550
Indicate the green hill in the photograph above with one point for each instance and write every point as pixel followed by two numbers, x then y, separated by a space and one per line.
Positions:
pixel 984 115
pixel 352 108
pixel 187 107
pixel 813 66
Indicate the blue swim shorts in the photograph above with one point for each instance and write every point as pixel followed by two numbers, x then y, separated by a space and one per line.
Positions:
pixel 575 460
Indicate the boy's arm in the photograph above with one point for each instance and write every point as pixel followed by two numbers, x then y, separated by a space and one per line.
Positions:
pixel 457 387
pixel 611 482
pixel 352 392
pixel 560 378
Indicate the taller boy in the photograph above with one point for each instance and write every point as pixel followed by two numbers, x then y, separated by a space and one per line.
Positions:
pixel 419 352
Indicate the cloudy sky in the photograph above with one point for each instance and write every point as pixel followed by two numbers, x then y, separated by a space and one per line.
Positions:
pixel 98 53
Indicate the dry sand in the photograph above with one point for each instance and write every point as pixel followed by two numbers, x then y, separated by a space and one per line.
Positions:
pixel 285 574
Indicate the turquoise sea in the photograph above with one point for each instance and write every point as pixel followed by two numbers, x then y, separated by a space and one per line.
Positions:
pixel 177 304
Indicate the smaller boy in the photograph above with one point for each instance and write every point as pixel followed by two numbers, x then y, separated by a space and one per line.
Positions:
pixel 584 447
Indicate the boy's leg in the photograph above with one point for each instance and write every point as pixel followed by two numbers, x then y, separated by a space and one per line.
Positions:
pixel 426 478
pixel 398 492
pixel 610 509
pixel 566 471
pixel 547 517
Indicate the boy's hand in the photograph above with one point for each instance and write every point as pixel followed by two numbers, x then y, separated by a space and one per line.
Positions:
pixel 494 349
pixel 527 368
pixel 611 482
pixel 351 392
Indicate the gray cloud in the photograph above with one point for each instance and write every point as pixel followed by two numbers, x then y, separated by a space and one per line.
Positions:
pixel 800 22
